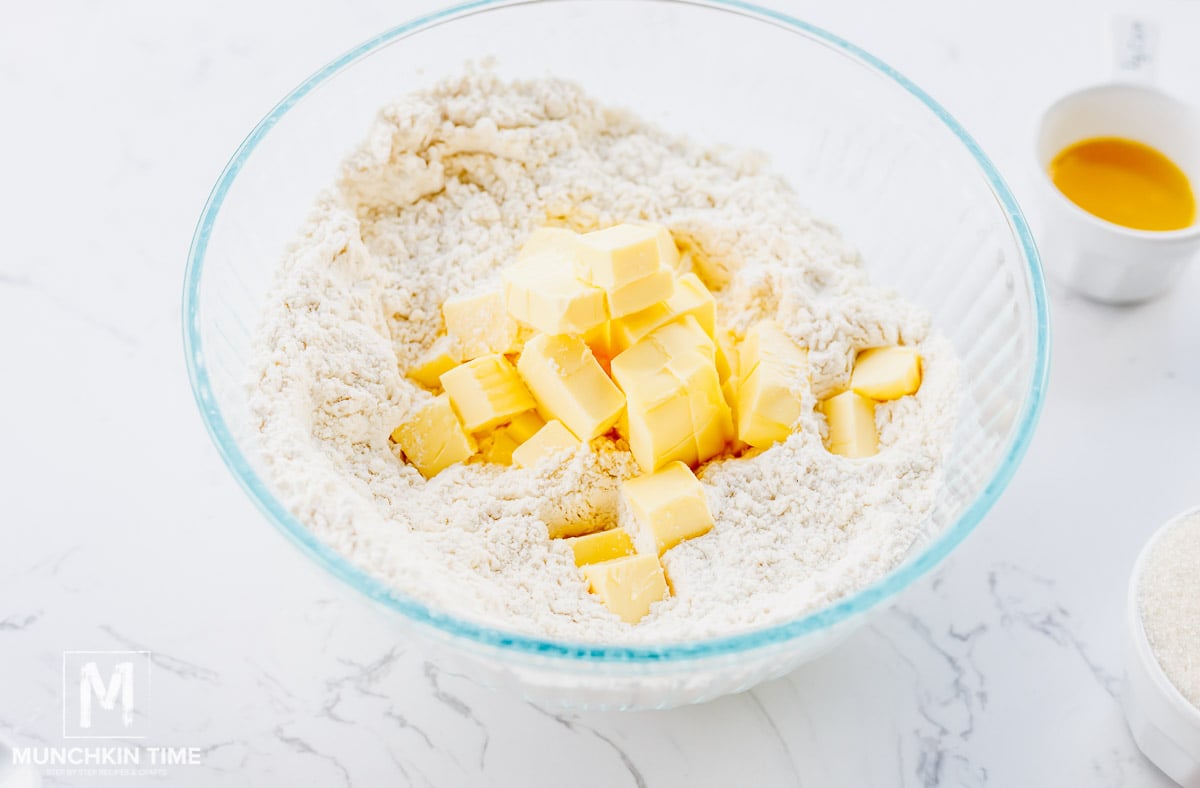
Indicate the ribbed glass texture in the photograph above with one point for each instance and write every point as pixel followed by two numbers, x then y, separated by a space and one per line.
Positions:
pixel 864 147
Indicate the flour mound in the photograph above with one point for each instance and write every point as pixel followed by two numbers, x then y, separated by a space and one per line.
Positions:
pixel 436 200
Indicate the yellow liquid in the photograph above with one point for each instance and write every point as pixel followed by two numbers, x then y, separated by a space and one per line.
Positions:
pixel 1126 183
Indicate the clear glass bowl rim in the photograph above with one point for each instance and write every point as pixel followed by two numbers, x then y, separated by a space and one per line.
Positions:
pixel 375 589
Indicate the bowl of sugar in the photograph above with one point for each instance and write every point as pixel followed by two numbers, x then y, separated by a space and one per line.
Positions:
pixel 1161 694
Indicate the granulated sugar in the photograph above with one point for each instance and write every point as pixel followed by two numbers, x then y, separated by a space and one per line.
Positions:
pixel 446 187
pixel 1169 599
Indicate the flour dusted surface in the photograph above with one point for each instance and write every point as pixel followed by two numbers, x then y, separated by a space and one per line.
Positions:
pixel 446 187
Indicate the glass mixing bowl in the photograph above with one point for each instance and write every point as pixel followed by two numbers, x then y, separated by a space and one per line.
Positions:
pixel 864 147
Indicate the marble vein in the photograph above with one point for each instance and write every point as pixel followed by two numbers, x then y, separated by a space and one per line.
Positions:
pixel 573 724
pixel 1009 585
pixel 301 746
pixel 179 667
pixel 780 739
pixel 458 706
pixel 19 622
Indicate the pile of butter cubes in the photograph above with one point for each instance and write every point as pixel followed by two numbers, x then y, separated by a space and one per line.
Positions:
pixel 606 332
pixel 880 374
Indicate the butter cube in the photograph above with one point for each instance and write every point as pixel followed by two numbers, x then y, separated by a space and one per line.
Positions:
pixel 729 392
pixel 628 586
pixel 712 418
pixel 774 372
pixel 641 293
pixel 674 402
pixel 548 238
pixel 569 384
pixel 480 324
pixel 550 439
pixel 432 437
pixel 668 507
pixel 714 430
pixel 668 252
pixel 599 339
pixel 441 357
pixel 766 341
pixel 501 448
pixel 506 439
pixel 663 431
pixel 886 373
pixel 685 262
pixel 487 391
pixel 541 290
pixel 633 263
pixel 690 297
pixel 622 425
pixel 601 546
pixel 618 255
pixel 727 355
pixel 682 338
pixel 525 425
pixel 851 419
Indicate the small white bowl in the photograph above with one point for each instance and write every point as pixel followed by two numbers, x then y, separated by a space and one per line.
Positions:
pixel 1164 724
pixel 1104 261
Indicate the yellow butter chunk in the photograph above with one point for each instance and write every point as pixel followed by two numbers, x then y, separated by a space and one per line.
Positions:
pixel 480 324
pixel 541 291
pixel 851 419
pixel 690 297
pixel 673 396
pixel 501 448
pixel 599 339
pixel 729 392
pixel 668 252
pixel 432 437
pixel 628 586
pixel 713 434
pixel 569 384
pixel 641 293
pixel 727 356
pixel 548 238
pixel 685 262
pixel 886 373
pixel 668 506
pixel 614 257
pixel 622 425
pixel 506 439
pixel 774 374
pixel 525 425
pixel 549 440
pixel 440 357
pixel 601 546
pixel 487 391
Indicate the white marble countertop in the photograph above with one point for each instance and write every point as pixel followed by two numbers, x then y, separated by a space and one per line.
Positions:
pixel 123 530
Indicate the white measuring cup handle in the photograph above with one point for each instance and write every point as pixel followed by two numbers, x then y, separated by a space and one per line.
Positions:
pixel 1134 49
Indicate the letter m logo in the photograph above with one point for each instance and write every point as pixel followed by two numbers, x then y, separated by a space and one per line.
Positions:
pixel 120 683
pixel 105 694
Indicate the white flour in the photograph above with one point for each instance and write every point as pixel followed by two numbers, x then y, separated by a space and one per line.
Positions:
pixel 1169 600
pixel 437 199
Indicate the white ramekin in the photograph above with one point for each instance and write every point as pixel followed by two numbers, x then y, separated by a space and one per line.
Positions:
pixel 1164 724
pixel 1105 261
